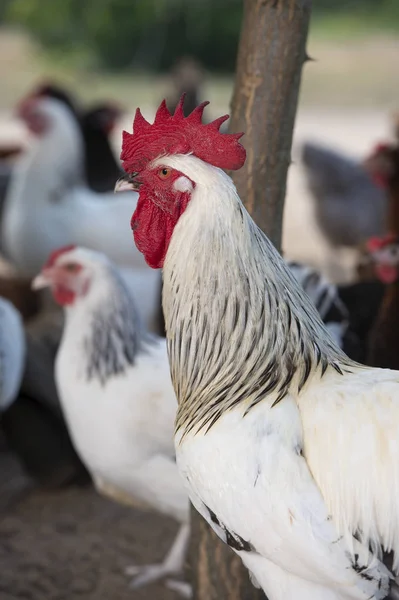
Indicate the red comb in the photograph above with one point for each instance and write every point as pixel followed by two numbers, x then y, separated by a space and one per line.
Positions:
pixel 177 134
pixel 377 243
pixel 56 254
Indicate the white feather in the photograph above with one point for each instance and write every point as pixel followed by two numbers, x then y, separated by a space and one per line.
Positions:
pixel 267 496
pixel 48 205
pixel 351 433
pixel 298 513
pixel 122 428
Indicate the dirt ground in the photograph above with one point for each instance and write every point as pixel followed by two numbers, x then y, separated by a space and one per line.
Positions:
pixel 74 544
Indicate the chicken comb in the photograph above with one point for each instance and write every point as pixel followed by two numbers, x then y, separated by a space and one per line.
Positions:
pixel 378 243
pixel 54 256
pixel 177 134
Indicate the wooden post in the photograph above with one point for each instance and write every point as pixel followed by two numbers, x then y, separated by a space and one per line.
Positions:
pixel 271 53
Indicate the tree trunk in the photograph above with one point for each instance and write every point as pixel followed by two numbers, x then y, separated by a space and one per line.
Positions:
pixel 217 573
pixel 270 57
pixel 271 53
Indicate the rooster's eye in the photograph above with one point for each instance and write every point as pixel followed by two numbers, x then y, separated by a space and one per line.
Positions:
pixel 164 173
pixel 72 267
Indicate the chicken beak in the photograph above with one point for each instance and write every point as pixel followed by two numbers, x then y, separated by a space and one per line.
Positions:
pixel 41 281
pixel 127 183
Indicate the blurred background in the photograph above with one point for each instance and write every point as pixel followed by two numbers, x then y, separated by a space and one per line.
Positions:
pixel 126 51
pixel 129 52
pixel 134 53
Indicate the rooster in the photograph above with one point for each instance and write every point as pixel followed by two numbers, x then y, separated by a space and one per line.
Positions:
pixel 49 205
pixel 288 448
pixel 114 385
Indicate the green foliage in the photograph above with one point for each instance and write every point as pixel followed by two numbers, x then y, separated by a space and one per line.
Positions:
pixel 148 34
pixel 152 34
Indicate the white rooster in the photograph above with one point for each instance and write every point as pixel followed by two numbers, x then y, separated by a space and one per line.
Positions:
pixel 116 393
pixel 49 205
pixel 288 449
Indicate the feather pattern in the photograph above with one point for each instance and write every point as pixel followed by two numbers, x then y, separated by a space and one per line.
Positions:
pixel 240 308
pixel 115 335
pixel 115 391
pixel 325 297
pixel 274 420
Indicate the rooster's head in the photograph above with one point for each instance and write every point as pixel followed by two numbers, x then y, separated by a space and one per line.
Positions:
pixel 165 192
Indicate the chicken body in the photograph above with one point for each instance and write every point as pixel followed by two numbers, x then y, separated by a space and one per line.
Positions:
pixel 95 124
pixel 115 390
pixel 288 448
pixel 48 205
pixel 13 351
pixel 121 423
pixel 33 425
pixel 349 207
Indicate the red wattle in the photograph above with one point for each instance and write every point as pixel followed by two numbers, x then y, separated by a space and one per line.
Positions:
pixel 388 274
pixel 153 228
pixel 63 296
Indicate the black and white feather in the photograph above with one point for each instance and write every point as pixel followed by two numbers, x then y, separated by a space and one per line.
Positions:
pixel 288 448
pixel 325 297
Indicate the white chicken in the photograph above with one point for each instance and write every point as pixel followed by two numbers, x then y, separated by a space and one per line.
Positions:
pixel 116 393
pixel 12 353
pixel 288 448
pixel 49 205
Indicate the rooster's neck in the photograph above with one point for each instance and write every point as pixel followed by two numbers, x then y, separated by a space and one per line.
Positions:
pixel 239 327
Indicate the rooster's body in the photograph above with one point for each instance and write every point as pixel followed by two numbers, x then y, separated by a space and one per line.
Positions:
pixel 288 448
pixel 299 461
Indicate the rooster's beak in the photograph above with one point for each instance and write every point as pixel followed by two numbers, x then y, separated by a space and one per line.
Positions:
pixel 127 183
pixel 41 281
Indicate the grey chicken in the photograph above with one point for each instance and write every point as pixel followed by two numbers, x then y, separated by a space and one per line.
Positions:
pixel 349 207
